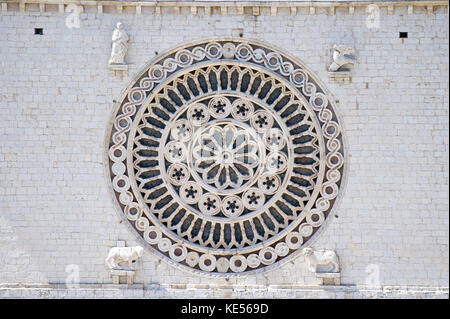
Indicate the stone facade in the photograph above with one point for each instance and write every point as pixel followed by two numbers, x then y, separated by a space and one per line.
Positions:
pixel 58 220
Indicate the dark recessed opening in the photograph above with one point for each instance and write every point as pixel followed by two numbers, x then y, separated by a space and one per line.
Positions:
pixel 241 34
pixel 38 31
pixel 403 35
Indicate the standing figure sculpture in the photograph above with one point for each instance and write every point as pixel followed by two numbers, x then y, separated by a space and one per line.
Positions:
pixel 119 46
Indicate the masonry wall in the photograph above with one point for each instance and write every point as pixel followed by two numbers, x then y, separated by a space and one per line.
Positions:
pixel 56 98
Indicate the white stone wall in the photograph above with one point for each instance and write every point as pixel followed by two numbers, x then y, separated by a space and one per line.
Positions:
pixel 56 98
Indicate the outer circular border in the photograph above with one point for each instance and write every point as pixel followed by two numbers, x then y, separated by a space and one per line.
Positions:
pixel 287 57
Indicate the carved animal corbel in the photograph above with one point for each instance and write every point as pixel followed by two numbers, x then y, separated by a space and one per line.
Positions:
pixel 325 261
pixel 342 55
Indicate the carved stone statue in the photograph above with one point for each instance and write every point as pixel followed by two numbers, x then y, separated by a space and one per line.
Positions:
pixel 342 55
pixel 119 45
pixel 321 261
pixel 119 255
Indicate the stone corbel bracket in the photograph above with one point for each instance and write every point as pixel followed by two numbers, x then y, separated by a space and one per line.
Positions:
pixel 324 264
pixel 118 70
pixel 341 77
pixel 329 279
pixel 255 8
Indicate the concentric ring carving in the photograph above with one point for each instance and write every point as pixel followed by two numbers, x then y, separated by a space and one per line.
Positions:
pixel 225 156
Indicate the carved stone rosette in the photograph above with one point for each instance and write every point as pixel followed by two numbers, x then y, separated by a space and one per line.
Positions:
pixel 225 156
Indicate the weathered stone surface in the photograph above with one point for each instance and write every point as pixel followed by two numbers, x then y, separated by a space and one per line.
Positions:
pixel 56 96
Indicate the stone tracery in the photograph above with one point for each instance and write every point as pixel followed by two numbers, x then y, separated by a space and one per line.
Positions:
pixel 224 156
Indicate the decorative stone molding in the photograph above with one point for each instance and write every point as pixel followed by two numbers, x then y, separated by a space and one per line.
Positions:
pixel 324 264
pixel 224 6
pixel 342 77
pixel 191 291
pixel 226 156
pixel 117 273
pixel 332 279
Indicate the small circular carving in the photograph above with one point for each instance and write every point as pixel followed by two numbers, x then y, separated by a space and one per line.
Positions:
pixel 305 230
pixel 232 206
pixel 210 204
pixel 315 218
pixel 178 174
pixel 207 262
pixel 253 198
pixel 269 183
pixel 277 162
pixel 253 261
pixel 133 211
pixel 164 244
pixel 177 252
pixel 268 255
pixel 242 109
pixel 229 50
pixel 192 258
pixel 121 183
pixel 222 264
pixel 198 114
pixel 219 107
pixel 175 152
pixel 238 263
pixel 152 235
pixel 117 154
pixel 274 139
pixel 190 192
pixel 262 121
pixel 294 240
pixel 142 223
pixel 282 249
pixel 125 198
pixel 182 130
pixel 118 168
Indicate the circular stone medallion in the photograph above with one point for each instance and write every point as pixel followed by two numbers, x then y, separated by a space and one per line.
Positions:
pixel 226 156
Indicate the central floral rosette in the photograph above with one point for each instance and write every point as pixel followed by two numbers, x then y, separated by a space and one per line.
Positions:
pixel 226 156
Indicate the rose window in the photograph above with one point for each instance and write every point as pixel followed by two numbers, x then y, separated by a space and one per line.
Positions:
pixel 226 157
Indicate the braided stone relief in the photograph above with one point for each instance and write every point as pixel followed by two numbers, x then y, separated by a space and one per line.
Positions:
pixel 225 156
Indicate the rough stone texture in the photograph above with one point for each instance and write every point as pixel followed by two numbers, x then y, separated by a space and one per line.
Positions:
pixel 56 98
pixel 241 292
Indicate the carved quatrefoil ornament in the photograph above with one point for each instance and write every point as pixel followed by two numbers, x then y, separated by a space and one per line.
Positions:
pixel 225 156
